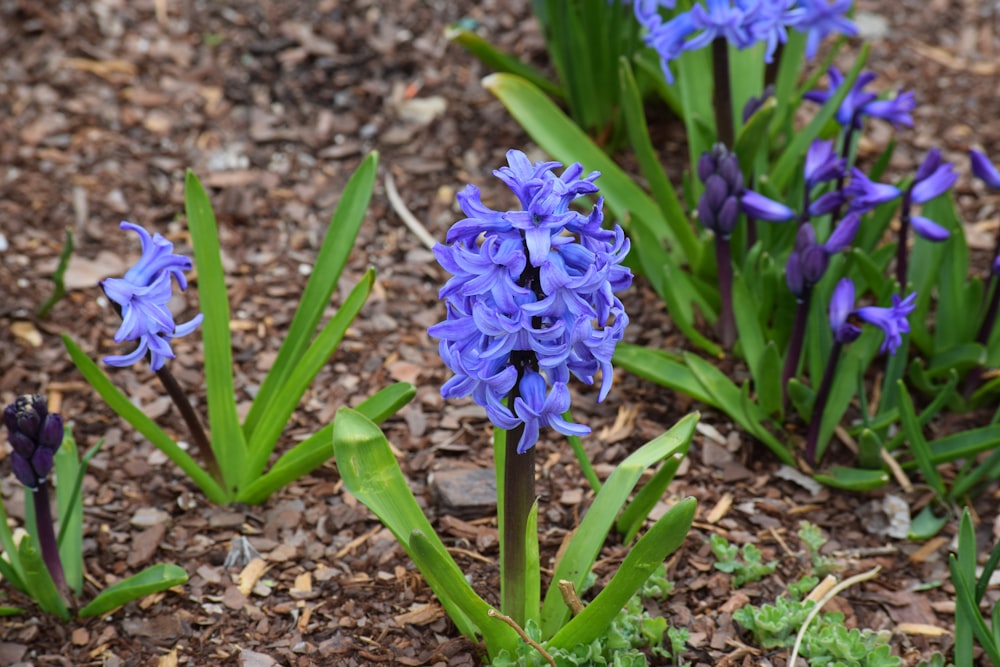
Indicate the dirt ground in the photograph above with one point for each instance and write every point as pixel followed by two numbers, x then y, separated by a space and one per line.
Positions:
pixel 104 104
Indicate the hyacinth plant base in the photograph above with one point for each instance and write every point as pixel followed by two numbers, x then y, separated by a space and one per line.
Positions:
pixel 274 125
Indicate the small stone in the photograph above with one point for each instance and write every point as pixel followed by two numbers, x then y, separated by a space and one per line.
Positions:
pixel 467 493
pixel 149 516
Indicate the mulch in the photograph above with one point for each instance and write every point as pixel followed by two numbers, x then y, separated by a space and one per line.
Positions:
pixel 102 107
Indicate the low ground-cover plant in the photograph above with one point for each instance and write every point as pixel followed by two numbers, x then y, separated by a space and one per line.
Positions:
pixel 46 567
pixel 531 303
pixel 234 456
pixel 816 297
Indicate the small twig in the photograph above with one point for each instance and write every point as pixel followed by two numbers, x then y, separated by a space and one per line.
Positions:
pixel 404 214
pixel 524 635
pixel 570 597
pixel 832 593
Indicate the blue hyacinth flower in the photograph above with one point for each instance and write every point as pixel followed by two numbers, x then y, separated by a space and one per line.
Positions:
pixel 142 296
pixel 531 301
pixel 846 321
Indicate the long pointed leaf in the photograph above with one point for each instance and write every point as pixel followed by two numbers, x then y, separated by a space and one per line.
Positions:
pixel 663 538
pixel 151 580
pixel 38 580
pixel 140 422
pixel 266 435
pixel 579 556
pixel 226 434
pixel 330 261
pixel 372 474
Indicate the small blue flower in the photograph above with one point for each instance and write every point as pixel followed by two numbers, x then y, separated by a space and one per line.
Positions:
pixel 143 295
pixel 668 38
pixel 760 207
pixel 846 321
pixel 720 19
pixel 768 21
pixel 864 194
pixel 859 103
pixel 819 18
pixel 822 163
pixel 984 169
pixel 933 178
pixel 531 298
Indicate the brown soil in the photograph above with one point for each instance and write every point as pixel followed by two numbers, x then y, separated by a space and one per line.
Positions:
pixel 104 104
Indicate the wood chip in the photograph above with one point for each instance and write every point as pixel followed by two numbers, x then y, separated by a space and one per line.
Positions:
pixel 254 570
pixel 721 508
pixel 424 614
pixel 168 660
pixel 921 629
pixel 927 549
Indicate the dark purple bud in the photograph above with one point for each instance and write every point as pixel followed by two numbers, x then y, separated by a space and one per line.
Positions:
pixel 29 411
pixel 728 216
pixel 706 214
pixel 50 436
pixel 844 234
pixel 42 463
pixel 805 238
pixel 23 471
pixel 706 166
pixel 815 260
pixel 984 169
pixel 21 443
pixel 729 169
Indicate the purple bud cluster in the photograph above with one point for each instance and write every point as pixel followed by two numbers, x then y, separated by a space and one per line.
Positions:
pixel 742 23
pixel 35 435
pixel 725 196
pixel 143 295
pixel 531 300
pixel 809 260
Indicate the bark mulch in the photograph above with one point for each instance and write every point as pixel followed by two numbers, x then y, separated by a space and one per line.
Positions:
pixel 273 104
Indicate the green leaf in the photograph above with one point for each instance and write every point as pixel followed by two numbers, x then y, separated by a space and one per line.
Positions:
pixel 665 369
pixel 312 452
pixel 926 524
pixel 226 436
pixel 11 611
pixel 330 261
pixel 659 184
pixel 918 444
pixel 11 569
pixel 637 511
pixel 970 613
pixel 69 475
pixel 372 474
pixel 496 59
pixel 38 582
pixel 661 540
pixel 560 137
pixel 143 424
pixel 965 444
pixel 853 479
pixel 301 375
pixel 582 550
pixel 151 580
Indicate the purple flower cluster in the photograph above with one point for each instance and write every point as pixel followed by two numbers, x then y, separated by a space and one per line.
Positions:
pixel 743 23
pixel 35 435
pixel 859 103
pixel 846 321
pixel 143 294
pixel 531 299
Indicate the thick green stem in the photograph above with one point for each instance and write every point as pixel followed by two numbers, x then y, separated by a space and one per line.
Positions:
pixel 518 497
pixel 47 537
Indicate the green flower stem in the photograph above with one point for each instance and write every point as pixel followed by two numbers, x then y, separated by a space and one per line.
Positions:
pixel 727 323
pixel 794 352
pixel 518 497
pixel 198 436
pixel 46 536
pixel 822 394
pixel 722 98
